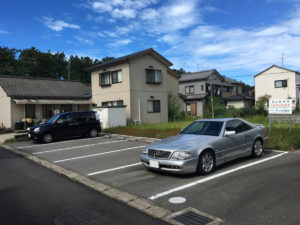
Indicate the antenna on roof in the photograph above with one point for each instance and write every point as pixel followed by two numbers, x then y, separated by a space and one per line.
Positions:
pixel 282 58
pixel 197 67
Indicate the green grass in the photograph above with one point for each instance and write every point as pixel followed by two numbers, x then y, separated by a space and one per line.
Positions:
pixel 279 138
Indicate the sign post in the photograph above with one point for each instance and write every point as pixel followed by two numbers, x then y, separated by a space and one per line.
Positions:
pixel 281 106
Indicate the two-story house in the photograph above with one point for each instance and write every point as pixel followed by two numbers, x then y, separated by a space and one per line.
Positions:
pixel 194 87
pixel 279 83
pixel 141 81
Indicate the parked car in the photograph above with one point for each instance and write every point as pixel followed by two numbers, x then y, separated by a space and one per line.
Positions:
pixel 68 124
pixel 205 144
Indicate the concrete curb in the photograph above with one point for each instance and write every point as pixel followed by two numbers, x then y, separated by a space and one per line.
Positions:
pixel 131 200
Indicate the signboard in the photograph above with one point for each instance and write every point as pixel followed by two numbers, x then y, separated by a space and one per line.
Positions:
pixel 280 106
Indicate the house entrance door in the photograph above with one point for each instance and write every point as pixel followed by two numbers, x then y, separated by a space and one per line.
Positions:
pixel 193 109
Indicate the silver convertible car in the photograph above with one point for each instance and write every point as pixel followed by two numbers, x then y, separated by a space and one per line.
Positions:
pixel 205 144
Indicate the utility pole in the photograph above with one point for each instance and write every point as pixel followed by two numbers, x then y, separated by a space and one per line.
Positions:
pixel 282 58
pixel 69 69
pixel 211 98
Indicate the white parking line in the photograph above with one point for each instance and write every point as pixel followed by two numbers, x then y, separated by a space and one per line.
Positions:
pixel 212 177
pixel 81 146
pixel 102 153
pixel 113 169
pixel 32 146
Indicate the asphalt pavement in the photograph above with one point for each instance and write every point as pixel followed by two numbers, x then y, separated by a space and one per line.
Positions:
pixel 31 194
pixel 247 191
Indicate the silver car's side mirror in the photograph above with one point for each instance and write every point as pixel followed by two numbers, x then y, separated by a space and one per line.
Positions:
pixel 229 133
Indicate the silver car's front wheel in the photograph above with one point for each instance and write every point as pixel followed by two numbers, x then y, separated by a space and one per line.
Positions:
pixel 206 164
pixel 257 149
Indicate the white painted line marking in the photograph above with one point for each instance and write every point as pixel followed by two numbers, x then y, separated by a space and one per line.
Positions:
pixel 113 169
pixel 60 142
pixel 177 200
pixel 81 146
pixel 102 153
pixel 213 177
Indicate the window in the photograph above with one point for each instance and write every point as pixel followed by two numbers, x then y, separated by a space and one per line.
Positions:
pixel 92 116
pixel 153 106
pixel 188 108
pixel 116 76
pixel 153 76
pixel 202 87
pixel 65 119
pixel 30 111
pixel 237 125
pixel 110 77
pixel 189 89
pixel 211 128
pixel 105 79
pixel 80 117
pixel 280 83
pixel 112 103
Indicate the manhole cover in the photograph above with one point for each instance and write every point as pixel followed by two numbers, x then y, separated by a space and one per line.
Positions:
pixel 77 217
pixel 192 218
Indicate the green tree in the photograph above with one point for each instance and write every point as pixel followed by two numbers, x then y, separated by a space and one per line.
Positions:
pixel 173 107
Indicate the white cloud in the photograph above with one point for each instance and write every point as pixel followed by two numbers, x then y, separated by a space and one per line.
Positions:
pixel 58 25
pixel 252 49
pixel 3 32
pixel 124 13
pixel 84 40
pixel 121 42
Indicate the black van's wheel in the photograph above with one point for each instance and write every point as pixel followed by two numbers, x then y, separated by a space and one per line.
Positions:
pixel 93 133
pixel 47 138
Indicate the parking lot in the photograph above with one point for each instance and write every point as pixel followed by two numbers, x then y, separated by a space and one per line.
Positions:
pixel 246 191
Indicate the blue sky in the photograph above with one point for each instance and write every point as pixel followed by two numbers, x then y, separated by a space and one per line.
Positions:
pixel 239 38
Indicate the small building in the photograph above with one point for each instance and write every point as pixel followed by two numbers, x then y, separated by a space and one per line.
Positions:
pixel 279 83
pixel 141 81
pixel 39 99
pixel 194 87
pixel 239 101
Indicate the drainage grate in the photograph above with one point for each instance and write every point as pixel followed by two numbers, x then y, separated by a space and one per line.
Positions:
pixel 77 217
pixel 192 218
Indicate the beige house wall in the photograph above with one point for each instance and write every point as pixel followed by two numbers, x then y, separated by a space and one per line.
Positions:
pixel 18 112
pixel 197 87
pixel 199 106
pixel 265 84
pixel 5 112
pixel 115 92
pixel 141 90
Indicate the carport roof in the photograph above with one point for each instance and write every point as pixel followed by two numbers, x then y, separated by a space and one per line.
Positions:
pixel 18 87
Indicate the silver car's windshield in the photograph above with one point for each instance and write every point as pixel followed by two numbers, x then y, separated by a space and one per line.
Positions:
pixel 211 128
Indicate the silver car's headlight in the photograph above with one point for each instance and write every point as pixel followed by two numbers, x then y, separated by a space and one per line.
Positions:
pixel 36 130
pixel 181 155
pixel 145 151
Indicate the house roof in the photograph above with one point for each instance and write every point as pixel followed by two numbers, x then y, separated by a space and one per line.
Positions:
pixel 40 88
pixel 239 97
pixel 201 75
pixel 294 71
pixel 233 81
pixel 129 57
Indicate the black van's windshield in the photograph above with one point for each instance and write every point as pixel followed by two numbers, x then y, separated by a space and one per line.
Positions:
pixel 52 119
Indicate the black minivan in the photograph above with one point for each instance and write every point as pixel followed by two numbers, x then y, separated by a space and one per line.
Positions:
pixel 68 124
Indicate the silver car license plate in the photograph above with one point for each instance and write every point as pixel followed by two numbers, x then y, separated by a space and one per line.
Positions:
pixel 153 164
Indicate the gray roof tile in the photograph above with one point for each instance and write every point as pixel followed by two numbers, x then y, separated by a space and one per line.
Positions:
pixel 40 88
